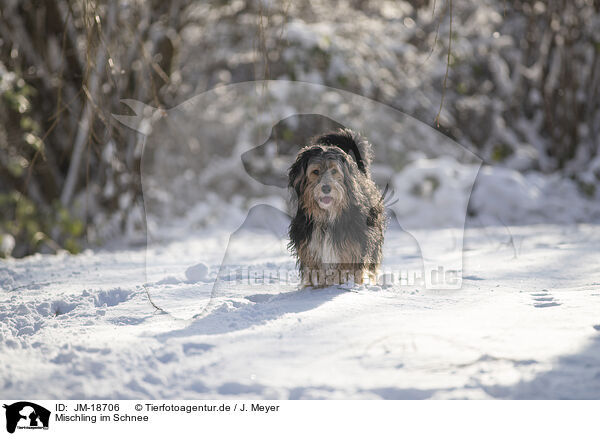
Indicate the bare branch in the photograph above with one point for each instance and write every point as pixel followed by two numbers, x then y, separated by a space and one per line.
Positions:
pixel 437 118
pixel 83 131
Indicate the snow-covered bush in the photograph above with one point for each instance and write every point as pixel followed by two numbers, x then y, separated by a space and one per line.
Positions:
pixel 521 90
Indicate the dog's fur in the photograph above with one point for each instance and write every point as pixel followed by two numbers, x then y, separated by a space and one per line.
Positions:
pixel 337 233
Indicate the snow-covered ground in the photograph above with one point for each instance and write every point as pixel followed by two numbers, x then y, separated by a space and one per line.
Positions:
pixel 526 324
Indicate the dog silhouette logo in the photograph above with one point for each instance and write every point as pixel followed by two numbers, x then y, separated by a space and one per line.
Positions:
pixel 26 415
pixel 201 168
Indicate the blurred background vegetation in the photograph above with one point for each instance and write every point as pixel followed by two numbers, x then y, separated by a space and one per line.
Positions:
pixel 519 82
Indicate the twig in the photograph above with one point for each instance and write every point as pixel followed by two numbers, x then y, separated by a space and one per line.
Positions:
pixel 66 15
pixel 86 119
pixel 437 32
pixel 437 118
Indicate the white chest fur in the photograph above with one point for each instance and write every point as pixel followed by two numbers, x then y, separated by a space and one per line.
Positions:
pixel 322 249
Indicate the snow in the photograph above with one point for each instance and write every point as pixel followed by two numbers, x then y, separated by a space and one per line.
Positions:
pixel 211 307
pixel 435 193
pixel 525 323
pixel 197 273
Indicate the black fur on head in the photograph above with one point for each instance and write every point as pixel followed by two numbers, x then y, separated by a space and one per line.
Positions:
pixel 350 142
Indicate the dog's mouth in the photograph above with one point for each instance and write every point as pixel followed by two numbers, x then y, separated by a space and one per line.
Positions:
pixel 326 200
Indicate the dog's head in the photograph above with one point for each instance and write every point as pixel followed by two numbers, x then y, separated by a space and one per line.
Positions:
pixel 324 175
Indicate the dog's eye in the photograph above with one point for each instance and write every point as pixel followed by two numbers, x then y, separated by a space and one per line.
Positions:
pixel 316 172
pixel 334 171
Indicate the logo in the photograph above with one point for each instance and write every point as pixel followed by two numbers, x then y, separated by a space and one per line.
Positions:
pixel 26 415
pixel 222 157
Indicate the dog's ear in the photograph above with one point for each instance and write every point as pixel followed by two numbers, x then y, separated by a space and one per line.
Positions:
pixel 296 173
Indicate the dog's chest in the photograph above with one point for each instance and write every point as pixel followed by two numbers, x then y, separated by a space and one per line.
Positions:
pixel 321 247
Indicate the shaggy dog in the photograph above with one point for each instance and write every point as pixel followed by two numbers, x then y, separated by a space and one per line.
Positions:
pixel 337 233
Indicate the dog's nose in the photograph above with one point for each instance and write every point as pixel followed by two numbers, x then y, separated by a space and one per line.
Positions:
pixel 326 189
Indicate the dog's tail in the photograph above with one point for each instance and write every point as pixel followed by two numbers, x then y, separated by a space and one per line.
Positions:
pixel 352 143
pixel 388 196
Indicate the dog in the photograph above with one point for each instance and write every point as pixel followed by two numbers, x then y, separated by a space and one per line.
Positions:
pixel 337 232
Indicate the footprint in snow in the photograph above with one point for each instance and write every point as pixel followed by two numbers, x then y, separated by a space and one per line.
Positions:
pixel 544 299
